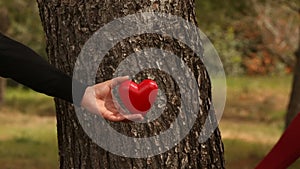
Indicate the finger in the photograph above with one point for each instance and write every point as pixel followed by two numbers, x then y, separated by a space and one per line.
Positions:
pixel 108 103
pixel 125 118
pixel 134 117
pixel 118 80
pixel 117 117
pixel 101 90
pixel 108 115
pixel 118 106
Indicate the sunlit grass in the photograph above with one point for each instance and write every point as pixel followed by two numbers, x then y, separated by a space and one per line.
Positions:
pixel 253 119
pixel 241 154
pixel 27 141
pixel 260 98
pixel 259 83
pixel 29 102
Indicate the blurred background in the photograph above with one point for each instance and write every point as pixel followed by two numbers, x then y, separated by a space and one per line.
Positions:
pixel 257 41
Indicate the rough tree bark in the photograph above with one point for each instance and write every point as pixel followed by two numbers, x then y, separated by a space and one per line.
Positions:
pixel 2 89
pixel 68 24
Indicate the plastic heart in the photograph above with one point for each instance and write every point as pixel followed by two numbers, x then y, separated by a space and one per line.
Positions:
pixel 138 98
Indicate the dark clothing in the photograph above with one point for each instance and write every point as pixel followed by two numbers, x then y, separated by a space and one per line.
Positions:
pixel 26 67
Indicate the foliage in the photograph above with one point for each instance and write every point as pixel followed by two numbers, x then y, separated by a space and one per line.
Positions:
pixel 225 42
pixel 262 39
pixel 252 37
pixel 217 20
pixel 24 23
pixel 221 13
pixel 270 38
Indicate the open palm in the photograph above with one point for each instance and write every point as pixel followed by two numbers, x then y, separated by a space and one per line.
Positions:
pixel 98 99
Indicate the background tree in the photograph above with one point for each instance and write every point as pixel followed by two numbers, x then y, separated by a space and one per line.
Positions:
pixel 294 104
pixel 68 24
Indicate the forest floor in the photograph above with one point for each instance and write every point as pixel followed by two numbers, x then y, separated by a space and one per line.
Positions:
pixel 252 123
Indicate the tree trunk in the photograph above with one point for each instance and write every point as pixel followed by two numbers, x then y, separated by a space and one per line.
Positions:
pixel 68 25
pixel 294 104
pixel 2 89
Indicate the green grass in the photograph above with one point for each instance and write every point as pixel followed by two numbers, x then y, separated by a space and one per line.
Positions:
pixel 256 83
pixel 246 155
pixel 247 143
pixel 27 141
pixel 253 119
pixel 257 98
pixel 27 131
pixel 251 124
pixel 243 155
pixel 29 102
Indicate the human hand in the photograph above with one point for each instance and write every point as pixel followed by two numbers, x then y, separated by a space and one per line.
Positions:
pixel 98 99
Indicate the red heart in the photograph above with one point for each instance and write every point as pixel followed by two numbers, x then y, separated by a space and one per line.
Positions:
pixel 138 98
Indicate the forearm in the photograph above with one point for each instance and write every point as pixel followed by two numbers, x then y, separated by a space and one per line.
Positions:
pixel 27 67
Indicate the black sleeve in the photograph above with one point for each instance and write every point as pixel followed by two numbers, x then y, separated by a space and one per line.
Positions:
pixel 28 68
